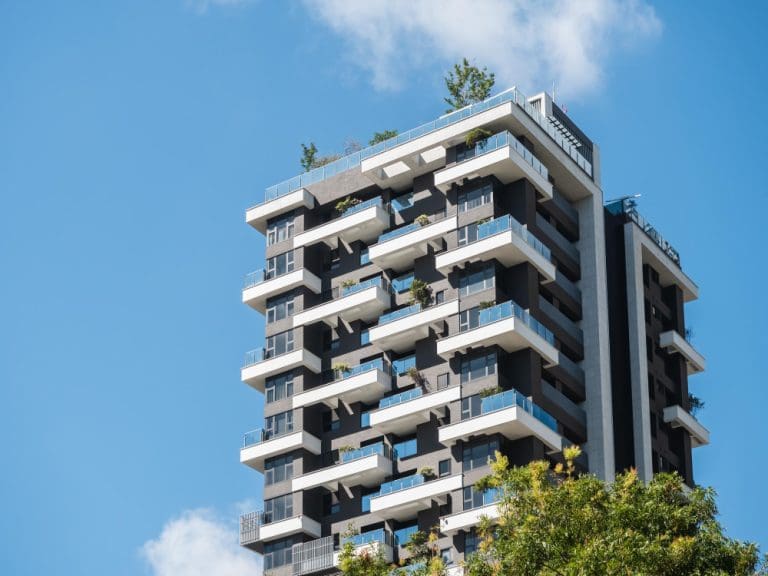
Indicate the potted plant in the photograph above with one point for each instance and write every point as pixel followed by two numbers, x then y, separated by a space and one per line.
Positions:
pixel 427 472
pixel 420 292
pixel 421 219
pixel 345 449
pixel 344 205
pixel 482 221
pixel 348 283
pixel 695 404
pixel 415 376
pixel 474 136
pixel 340 368
pixel 486 304
pixel 490 391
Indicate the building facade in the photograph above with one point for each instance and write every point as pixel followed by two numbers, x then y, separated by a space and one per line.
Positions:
pixel 453 291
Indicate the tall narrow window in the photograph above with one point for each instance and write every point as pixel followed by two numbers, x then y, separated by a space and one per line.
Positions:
pixel 470 199
pixel 278 387
pixel 279 308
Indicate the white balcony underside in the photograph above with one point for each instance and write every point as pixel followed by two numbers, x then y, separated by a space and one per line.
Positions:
pixel 365 225
pixel 512 423
pixel 399 335
pixel 255 374
pixel 677 343
pixel 400 252
pixel 365 305
pixel 254 456
pixel 506 247
pixel 256 296
pixel 365 387
pixel 406 503
pixel 512 334
pixel 369 471
pixel 405 417
pixel 296 525
pixel 467 519
pixel 258 215
pixel 677 417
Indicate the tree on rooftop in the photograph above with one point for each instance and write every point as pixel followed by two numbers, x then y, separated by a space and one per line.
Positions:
pixel 468 84
pixel 382 136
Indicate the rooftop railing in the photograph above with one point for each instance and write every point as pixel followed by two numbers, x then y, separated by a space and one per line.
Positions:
pixel 501 140
pixel 507 222
pixel 511 398
pixel 628 206
pixel 400 398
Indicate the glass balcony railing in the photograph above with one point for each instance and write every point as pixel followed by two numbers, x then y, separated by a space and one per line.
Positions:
pixel 398 314
pixel 359 287
pixel 381 536
pixel 507 222
pixel 507 310
pixel 401 484
pixel 381 449
pixel 412 227
pixel 400 398
pixel 353 160
pixel 260 435
pixel 378 364
pixel 257 277
pixel 362 206
pixel 260 354
pixel 512 398
pixel 499 141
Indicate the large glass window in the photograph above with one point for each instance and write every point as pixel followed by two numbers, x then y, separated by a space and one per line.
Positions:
pixel 473 198
pixel 278 424
pixel 278 469
pixel 279 265
pixel 470 543
pixel 279 344
pixel 472 281
pixel 467 234
pixel 405 448
pixel 278 387
pixel 402 365
pixel 478 367
pixel 280 229
pixel 279 308
pixel 278 553
pixel 474 498
pixel 279 508
pixel 478 455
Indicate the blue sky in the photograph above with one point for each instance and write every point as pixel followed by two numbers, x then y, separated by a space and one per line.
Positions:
pixel 133 135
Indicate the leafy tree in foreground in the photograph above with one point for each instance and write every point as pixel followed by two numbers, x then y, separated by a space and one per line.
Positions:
pixel 468 84
pixel 367 562
pixel 559 523
pixel 382 136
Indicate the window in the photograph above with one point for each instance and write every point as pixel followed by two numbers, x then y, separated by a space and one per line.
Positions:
pixel 440 297
pixel 402 365
pixel 280 229
pixel 402 202
pixel 278 387
pixel 470 543
pixel 278 469
pixel 478 455
pixel 365 420
pixel 477 280
pixel 403 535
pixel 443 380
pixel 366 501
pixel 335 259
pixel 474 198
pixel 405 448
pixel 444 468
pixel 279 308
pixel 278 424
pixel 402 283
pixel 446 555
pixel 279 344
pixel 478 367
pixel 330 505
pixel 474 498
pixel 279 265
pixel 279 508
pixel 365 337
pixel 278 553
pixel 364 258
pixel 335 344
pixel 467 234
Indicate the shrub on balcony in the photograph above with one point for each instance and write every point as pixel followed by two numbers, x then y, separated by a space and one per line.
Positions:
pixel 344 205
pixel 476 135
pixel 422 220
pixel 486 304
pixel 415 376
pixel 420 292
pixel 695 404
pixel 490 391
pixel 340 368
pixel 348 283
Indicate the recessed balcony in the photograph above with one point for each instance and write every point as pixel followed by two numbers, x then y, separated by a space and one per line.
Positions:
pixel 363 383
pixel 260 285
pixel 363 221
pixel 674 342
pixel 510 414
pixel 503 156
pixel 398 330
pixel 402 413
pixel 398 248
pixel 505 240
pixel 259 445
pixel 468 519
pixel 366 466
pixel 677 417
pixel 257 216
pixel 506 325
pixel 256 527
pixel 363 301
pixel 403 498
pixel 260 364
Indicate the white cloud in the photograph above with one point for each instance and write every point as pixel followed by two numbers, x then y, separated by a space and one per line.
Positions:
pixel 202 6
pixel 197 543
pixel 528 43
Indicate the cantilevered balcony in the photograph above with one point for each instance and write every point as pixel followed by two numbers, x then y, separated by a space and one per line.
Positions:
pixel 363 301
pixel 510 414
pixel 366 466
pixel 503 156
pixel 260 364
pixel 506 325
pixel 363 383
pixel 259 445
pixel 398 248
pixel 261 285
pixel 370 542
pixel 398 330
pixel 259 526
pixel 274 205
pixel 505 240
pixel 467 519
pixel 403 498
pixel 674 342
pixel 402 413
pixel 363 221
pixel 677 417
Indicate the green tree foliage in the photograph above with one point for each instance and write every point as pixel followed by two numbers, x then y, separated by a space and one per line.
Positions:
pixel 555 522
pixel 367 562
pixel 310 159
pixel 381 136
pixel 468 84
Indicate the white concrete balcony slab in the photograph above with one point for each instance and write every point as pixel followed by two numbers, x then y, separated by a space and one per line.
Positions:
pixel 467 519
pixel 506 325
pixel 370 543
pixel 364 222
pixel 677 417
pixel 401 414
pixel 403 498
pixel 259 367
pixel 367 466
pixel 364 301
pixel 363 383
pixel 253 528
pixel 258 288
pixel 503 156
pixel 398 330
pixel 398 248
pixel 258 446
pixel 257 216
pixel 505 240
pixel 672 340
pixel 510 414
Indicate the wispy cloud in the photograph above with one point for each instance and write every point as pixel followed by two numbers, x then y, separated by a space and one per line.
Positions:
pixel 530 43
pixel 197 543
pixel 202 6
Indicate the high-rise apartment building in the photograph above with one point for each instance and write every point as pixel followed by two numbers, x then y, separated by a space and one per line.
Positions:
pixel 453 291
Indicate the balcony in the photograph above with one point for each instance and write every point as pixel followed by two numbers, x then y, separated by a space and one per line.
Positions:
pixel 364 301
pixel 506 325
pixel 258 445
pixel 363 221
pixel 260 364
pixel 256 527
pixel 257 216
pixel 259 286
pixel 674 342
pixel 370 542
pixel 505 240
pixel 677 417
pixel 402 413
pixel 397 249
pixel 363 383
pixel 467 519
pixel 398 330
pixel 503 156
pixel 510 414
pixel 403 498
pixel 366 466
